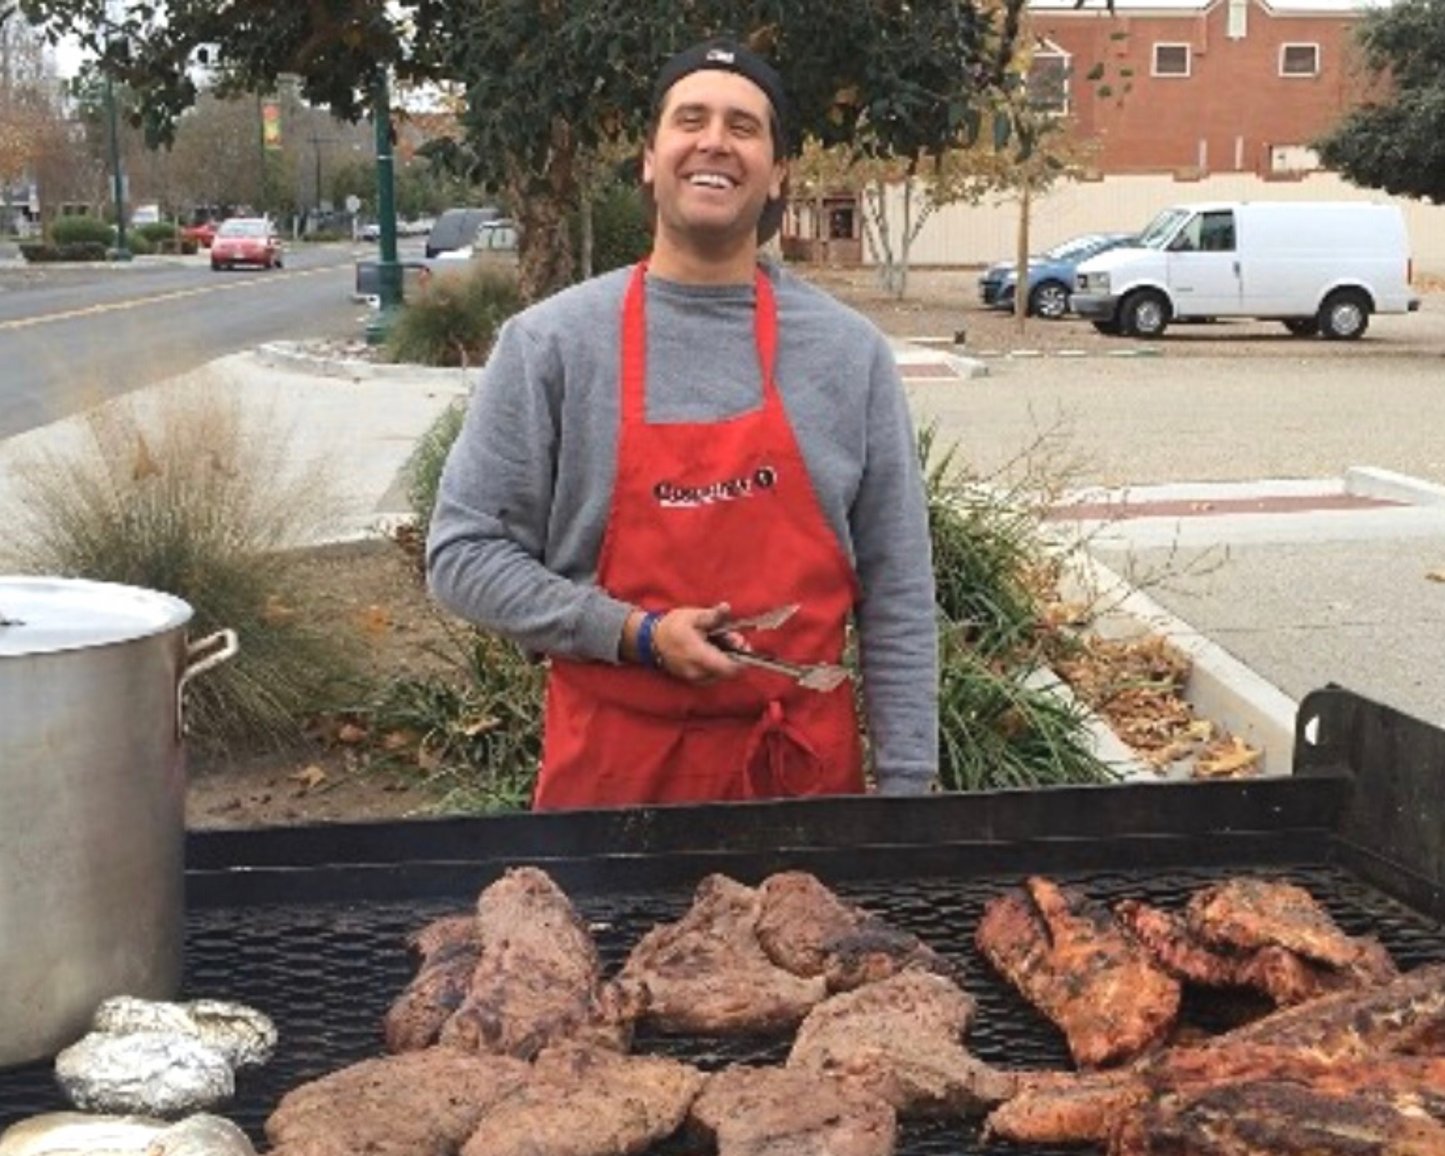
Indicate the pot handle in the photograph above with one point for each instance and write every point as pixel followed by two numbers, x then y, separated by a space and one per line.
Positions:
pixel 201 656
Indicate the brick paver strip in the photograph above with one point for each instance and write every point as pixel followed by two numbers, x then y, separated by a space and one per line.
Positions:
pixel 1204 507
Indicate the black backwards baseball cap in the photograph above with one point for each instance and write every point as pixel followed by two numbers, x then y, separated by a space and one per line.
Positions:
pixel 729 56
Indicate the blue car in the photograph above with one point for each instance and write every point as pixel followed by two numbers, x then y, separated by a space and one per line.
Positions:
pixel 1051 274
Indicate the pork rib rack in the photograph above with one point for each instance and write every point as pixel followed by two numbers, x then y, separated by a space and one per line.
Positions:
pixel 1072 961
pixel 1338 1044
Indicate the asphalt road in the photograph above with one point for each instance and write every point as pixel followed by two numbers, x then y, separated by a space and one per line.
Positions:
pixel 74 336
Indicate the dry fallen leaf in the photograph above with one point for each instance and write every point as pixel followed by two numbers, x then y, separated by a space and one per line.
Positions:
pixel 145 465
pixel 276 610
pixel 398 740
pixel 309 777
pixel 1435 575
pixel 376 619
pixel 1229 757
pixel 350 734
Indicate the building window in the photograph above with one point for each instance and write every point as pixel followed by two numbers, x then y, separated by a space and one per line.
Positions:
pixel 1237 26
pixel 1048 79
pixel 1171 60
pixel 1299 59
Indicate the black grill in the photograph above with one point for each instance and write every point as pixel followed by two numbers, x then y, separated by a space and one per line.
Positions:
pixel 309 925
pixel 327 973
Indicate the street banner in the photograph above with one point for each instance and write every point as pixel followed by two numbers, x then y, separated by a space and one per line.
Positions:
pixel 271 124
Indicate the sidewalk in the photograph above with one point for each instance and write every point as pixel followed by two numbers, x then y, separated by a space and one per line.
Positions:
pixel 360 420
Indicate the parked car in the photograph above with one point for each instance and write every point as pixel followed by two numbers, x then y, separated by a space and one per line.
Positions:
pixel 492 236
pixel 246 241
pixel 1318 267
pixel 1051 274
pixel 457 228
pixel 202 234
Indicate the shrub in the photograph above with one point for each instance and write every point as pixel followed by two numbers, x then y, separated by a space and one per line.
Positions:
pixel 39 252
pixel 179 491
pixel 138 244
pixel 423 469
pixel 478 731
pixel 455 318
pixel 156 232
pixel 620 233
pixel 82 230
pixel 82 251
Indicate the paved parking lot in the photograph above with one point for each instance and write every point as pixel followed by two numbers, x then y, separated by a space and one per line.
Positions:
pixel 1300 597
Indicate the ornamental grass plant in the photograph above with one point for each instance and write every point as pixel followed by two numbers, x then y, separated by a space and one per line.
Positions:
pixel 1002 721
pixel 188 494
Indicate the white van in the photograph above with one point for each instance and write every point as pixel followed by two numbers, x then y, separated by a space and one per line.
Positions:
pixel 1318 266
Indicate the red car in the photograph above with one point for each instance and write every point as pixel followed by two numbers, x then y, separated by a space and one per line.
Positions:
pixel 202 234
pixel 246 241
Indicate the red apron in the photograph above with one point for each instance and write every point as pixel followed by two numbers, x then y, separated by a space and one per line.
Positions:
pixel 705 513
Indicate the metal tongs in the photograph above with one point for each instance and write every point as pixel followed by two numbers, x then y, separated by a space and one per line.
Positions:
pixel 819 676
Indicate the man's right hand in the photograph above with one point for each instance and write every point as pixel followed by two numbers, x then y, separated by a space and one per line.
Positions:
pixel 686 652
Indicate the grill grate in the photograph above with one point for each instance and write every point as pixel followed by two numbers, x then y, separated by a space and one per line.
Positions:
pixel 327 973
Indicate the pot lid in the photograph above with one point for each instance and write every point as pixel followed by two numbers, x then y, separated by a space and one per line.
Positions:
pixel 44 615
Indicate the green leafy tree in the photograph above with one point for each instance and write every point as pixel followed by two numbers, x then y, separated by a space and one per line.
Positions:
pixel 1395 139
pixel 549 81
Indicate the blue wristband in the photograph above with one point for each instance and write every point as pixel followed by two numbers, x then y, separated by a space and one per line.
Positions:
pixel 646 653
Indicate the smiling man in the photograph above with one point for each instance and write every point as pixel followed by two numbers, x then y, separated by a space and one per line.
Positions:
pixel 657 456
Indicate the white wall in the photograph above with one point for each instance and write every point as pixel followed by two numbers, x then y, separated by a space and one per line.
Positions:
pixel 976 235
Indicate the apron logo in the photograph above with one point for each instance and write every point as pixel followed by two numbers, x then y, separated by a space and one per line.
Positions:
pixel 672 495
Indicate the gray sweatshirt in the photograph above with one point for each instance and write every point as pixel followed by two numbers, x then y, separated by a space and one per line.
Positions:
pixel 527 488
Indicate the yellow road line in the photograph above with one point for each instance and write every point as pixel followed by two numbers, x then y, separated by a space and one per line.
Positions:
pixel 158 298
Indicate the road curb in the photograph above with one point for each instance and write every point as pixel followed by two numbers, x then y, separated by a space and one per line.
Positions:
pixel 1220 687
pixel 1389 486
pixel 289 355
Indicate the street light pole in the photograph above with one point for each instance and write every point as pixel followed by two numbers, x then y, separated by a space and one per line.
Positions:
pixel 122 253
pixel 388 269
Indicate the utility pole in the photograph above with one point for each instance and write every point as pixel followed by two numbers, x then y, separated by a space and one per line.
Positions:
pixel 122 253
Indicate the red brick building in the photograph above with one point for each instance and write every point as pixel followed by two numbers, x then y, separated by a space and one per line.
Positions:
pixel 1200 87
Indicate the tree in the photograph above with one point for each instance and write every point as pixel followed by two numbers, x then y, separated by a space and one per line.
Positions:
pixel 1026 147
pixel 549 81
pixel 1394 140
pixel 30 116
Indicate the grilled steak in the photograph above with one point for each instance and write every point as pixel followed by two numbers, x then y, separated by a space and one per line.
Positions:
pixel 449 949
pixel 1075 964
pixel 1247 913
pixel 747 1111
pixel 708 974
pixel 901 1040
pixel 808 930
pixel 1285 977
pixel 419 1104
pixel 584 1101
pixel 1271 1117
pixel 537 977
